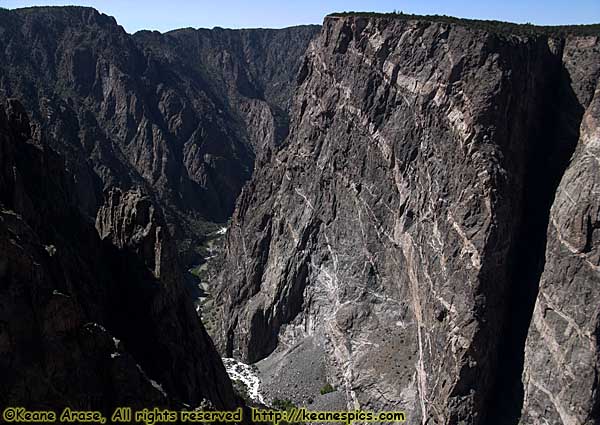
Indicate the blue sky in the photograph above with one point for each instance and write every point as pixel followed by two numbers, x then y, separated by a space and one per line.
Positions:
pixel 164 15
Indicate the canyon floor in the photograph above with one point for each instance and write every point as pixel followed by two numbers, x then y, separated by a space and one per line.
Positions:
pixel 385 212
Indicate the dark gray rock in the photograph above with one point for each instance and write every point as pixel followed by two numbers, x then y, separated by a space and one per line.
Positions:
pixel 405 214
pixel 88 323
pixel 181 115
pixel 561 376
pixel 420 231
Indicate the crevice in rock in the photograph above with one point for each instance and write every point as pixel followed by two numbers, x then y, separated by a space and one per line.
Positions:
pixel 552 139
pixel 266 325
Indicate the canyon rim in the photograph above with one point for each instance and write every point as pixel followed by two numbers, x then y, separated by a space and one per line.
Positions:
pixel 385 212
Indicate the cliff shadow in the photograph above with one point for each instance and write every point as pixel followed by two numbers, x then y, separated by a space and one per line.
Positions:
pixel 553 138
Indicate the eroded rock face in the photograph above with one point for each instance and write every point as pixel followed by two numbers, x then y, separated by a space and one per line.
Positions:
pixel 156 141
pixel 561 360
pixel 389 229
pixel 84 322
pixel 424 191
pixel 181 115
pixel 254 70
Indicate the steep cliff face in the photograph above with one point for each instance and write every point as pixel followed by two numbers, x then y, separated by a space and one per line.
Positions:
pixel 253 69
pixel 401 227
pixel 181 115
pixel 86 322
pixel 158 133
pixel 561 377
pixel 421 230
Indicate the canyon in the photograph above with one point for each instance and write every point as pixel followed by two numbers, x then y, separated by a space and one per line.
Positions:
pixel 120 156
pixel 438 183
pixel 407 212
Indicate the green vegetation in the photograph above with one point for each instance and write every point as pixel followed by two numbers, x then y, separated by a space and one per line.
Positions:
pixel 286 405
pixel 198 272
pixel 327 388
pixel 498 27
pixel 209 316
pixel 242 390
pixel 207 272
pixel 208 231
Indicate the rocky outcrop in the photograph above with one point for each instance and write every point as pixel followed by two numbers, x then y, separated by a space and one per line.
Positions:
pixel 420 232
pixel 85 322
pixel 401 226
pixel 181 115
pixel 561 380
pixel 253 69
pixel 156 142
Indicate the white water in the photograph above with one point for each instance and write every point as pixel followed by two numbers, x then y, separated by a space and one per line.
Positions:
pixel 243 372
